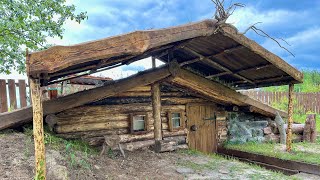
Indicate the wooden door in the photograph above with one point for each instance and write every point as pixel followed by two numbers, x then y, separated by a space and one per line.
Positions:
pixel 202 127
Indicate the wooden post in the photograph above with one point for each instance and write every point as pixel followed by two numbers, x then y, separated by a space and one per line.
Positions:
pixel 36 96
pixel 290 119
pixel 153 62
pixel 156 106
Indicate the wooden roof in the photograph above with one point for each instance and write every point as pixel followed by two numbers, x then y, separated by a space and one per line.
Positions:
pixel 217 52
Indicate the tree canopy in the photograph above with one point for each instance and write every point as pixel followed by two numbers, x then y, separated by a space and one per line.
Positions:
pixel 26 24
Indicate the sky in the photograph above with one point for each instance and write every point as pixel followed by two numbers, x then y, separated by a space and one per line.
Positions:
pixel 295 21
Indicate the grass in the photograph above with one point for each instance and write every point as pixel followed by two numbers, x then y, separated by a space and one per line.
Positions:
pixel 76 152
pixel 269 149
pixel 233 166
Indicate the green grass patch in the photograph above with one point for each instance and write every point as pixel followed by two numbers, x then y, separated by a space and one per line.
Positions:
pixel 76 152
pixel 235 168
pixel 303 152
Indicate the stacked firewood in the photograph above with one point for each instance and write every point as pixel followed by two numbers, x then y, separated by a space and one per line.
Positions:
pixel 301 132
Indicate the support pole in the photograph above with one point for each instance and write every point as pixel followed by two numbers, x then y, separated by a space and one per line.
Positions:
pixel 156 106
pixel 153 62
pixel 38 133
pixel 290 119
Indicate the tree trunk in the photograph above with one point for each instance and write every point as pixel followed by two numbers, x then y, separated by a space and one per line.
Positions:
pixel 280 124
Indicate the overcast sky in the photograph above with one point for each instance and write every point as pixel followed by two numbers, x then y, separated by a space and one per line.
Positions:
pixel 295 21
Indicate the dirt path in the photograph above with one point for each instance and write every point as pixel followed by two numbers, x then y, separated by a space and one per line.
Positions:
pixel 17 162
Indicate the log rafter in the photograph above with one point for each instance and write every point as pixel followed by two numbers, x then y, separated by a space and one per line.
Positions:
pixel 208 61
pixel 240 71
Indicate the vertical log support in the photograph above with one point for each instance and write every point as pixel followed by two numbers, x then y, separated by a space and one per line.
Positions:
pixel 156 106
pixel 38 133
pixel 290 119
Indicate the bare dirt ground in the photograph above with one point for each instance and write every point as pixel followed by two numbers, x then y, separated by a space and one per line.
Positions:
pixel 17 162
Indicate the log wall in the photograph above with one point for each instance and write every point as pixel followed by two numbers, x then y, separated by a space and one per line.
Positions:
pixel 112 116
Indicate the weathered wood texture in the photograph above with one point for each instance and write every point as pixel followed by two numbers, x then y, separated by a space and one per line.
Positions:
pixel 73 100
pixel 10 95
pixel 59 61
pixel 156 110
pixel 310 132
pixel 111 50
pixel 218 92
pixel 38 132
pixel 290 118
pixel 202 134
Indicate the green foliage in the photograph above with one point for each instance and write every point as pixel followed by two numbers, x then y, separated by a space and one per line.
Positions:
pixel 76 152
pixel 26 24
pixel 311 83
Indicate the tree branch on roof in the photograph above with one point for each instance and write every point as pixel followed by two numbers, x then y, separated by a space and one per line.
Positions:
pixel 222 13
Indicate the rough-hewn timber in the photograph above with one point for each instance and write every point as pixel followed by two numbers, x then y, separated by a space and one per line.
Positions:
pixel 24 115
pixel 218 92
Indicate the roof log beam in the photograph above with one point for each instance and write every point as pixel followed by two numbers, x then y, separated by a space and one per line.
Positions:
pixel 214 64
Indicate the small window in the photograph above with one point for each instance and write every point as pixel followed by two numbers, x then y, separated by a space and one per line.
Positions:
pixel 176 120
pixel 138 123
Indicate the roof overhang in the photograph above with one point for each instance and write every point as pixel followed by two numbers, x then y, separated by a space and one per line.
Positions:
pixel 207 48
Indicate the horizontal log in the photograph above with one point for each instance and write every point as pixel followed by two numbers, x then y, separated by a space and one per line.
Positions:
pixel 91 126
pixel 132 146
pixel 24 115
pixel 90 134
pixel 217 92
pixel 125 138
pixel 182 100
pixel 168 146
pixel 88 119
pixel 177 139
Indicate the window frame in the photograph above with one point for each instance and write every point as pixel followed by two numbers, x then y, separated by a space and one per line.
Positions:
pixel 182 120
pixel 145 123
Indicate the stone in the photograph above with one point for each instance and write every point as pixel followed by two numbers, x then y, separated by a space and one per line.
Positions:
pixel 267 130
pixel 182 170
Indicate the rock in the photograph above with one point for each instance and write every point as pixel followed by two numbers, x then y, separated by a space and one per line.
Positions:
pixel 55 171
pixel 182 170
pixel 223 171
pixel 272 138
pixel 58 173
pixel 267 130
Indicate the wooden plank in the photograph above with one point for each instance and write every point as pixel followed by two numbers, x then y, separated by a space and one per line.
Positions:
pixel 287 164
pixel 22 93
pixel 74 100
pixel 217 92
pixel 3 96
pixel 38 132
pixel 12 94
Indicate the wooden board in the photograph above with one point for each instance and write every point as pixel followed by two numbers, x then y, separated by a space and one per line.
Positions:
pixel 22 93
pixel 204 138
pixel 3 96
pixel 12 94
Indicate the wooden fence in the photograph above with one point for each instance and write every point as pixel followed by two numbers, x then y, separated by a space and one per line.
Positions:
pixel 303 102
pixel 13 94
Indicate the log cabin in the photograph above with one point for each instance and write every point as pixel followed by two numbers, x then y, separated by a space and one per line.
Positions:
pixel 189 102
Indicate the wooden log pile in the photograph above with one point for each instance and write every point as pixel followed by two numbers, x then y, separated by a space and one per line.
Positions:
pixel 272 133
